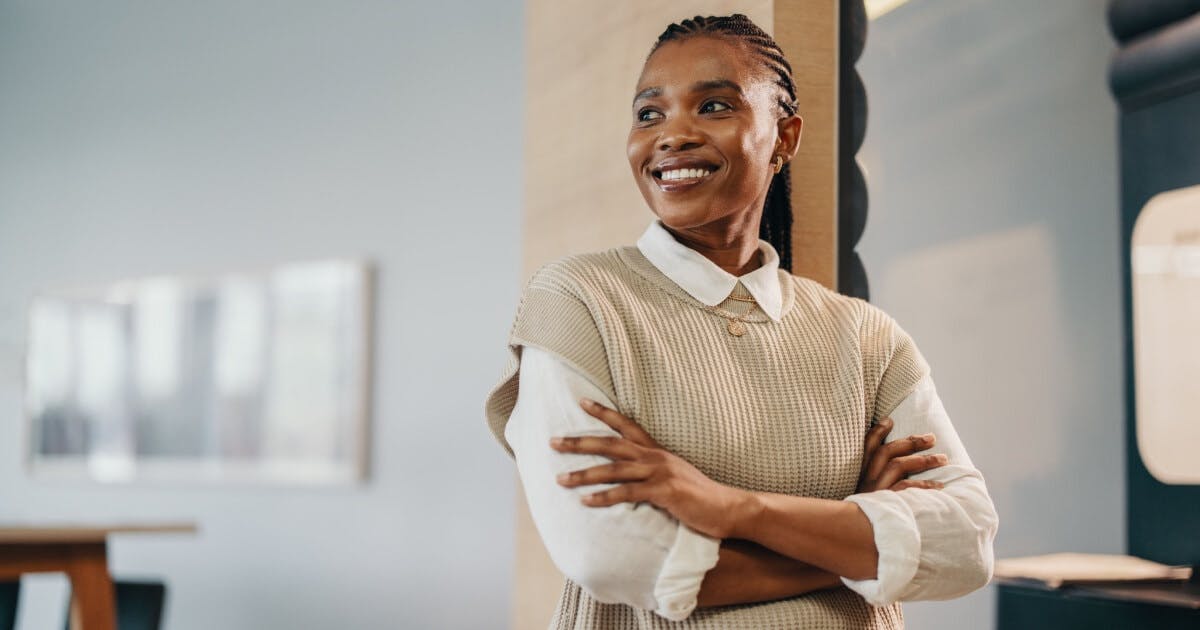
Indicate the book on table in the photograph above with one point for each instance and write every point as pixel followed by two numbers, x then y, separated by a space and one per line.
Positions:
pixel 1063 569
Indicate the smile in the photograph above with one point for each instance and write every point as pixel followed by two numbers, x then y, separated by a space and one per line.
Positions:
pixel 678 179
pixel 684 173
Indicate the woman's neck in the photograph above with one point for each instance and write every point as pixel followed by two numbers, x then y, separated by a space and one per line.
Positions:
pixel 732 248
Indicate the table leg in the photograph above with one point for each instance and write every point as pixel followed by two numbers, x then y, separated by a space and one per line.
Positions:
pixel 93 605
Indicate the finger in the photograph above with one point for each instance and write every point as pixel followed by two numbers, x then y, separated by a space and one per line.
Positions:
pixel 608 446
pixel 927 484
pixel 624 493
pixel 898 448
pixel 628 429
pixel 616 472
pixel 875 437
pixel 902 467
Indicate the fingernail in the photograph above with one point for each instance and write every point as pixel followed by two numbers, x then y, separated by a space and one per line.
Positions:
pixel 586 402
pixel 556 442
pixel 562 477
pixel 941 458
pixel 928 437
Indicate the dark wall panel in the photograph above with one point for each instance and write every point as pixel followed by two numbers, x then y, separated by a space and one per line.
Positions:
pixel 1156 79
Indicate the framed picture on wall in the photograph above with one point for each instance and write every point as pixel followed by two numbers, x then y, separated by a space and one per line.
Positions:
pixel 256 376
pixel 1165 283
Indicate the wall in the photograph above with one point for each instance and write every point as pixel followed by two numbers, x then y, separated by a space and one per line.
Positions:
pixel 140 138
pixel 992 237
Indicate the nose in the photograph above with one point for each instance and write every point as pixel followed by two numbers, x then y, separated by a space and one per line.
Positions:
pixel 679 134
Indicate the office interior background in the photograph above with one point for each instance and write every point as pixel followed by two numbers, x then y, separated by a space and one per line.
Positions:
pixel 143 138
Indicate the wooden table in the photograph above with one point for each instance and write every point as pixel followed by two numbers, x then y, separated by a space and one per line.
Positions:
pixel 80 551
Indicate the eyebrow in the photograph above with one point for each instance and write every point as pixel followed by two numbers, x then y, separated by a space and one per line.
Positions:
pixel 716 84
pixel 699 86
pixel 649 92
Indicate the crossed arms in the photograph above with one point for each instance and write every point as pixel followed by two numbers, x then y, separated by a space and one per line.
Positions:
pixel 708 545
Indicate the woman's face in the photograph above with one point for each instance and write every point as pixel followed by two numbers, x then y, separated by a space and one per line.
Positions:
pixel 705 130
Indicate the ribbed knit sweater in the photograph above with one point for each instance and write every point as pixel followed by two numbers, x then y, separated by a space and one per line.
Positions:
pixel 784 408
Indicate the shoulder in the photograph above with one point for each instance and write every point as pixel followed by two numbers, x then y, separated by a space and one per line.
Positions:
pixel 582 275
pixel 875 327
pixel 891 363
pixel 812 291
pixel 818 300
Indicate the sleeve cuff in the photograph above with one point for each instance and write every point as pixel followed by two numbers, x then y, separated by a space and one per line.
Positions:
pixel 691 556
pixel 898 542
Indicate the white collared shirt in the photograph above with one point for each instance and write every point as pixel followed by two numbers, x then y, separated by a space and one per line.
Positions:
pixel 707 282
pixel 933 544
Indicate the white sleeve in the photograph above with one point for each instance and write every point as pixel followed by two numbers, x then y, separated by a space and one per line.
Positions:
pixel 631 554
pixel 933 544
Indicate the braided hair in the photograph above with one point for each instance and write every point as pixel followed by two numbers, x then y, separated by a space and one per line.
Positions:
pixel 776 224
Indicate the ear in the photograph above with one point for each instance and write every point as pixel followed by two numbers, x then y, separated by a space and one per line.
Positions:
pixel 789 136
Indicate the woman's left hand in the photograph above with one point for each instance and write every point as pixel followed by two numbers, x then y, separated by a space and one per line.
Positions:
pixel 647 472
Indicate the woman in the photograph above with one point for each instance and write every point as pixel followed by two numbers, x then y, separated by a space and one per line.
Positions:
pixel 700 434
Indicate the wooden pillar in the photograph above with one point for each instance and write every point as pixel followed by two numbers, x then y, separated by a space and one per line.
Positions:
pixel 808 34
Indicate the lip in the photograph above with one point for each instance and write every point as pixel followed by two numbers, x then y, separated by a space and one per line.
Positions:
pixel 678 162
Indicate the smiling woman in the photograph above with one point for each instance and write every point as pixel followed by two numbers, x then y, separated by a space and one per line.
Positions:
pixel 704 439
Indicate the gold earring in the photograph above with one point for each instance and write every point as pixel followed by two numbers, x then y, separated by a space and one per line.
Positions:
pixel 778 162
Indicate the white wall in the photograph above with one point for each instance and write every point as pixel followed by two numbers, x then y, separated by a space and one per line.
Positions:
pixel 992 238
pixel 141 137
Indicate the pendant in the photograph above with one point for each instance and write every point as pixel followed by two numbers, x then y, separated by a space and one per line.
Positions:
pixel 736 328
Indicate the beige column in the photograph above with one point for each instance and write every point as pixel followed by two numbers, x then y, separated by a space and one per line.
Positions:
pixel 808 34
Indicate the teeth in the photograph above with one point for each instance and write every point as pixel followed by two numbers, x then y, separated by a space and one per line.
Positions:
pixel 684 173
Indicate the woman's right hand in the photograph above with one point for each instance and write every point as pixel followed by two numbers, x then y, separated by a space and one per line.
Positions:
pixel 888 466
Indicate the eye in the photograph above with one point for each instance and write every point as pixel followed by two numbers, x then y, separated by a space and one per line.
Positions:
pixel 713 107
pixel 647 115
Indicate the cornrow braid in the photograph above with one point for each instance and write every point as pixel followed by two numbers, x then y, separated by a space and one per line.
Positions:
pixel 776 224
pixel 740 27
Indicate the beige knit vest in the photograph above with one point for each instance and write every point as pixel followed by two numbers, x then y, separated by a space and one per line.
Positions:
pixel 784 408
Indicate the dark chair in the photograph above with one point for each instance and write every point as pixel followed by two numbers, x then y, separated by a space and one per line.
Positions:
pixel 10 593
pixel 139 605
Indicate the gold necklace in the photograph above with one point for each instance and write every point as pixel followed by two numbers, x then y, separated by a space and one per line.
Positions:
pixel 737 323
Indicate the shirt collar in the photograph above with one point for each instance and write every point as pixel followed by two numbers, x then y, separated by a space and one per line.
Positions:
pixel 702 279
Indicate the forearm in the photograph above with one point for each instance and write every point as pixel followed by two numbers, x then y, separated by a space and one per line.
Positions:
pixel 747 573
pixel 615 553
pixel 933 544
pixel 832 535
